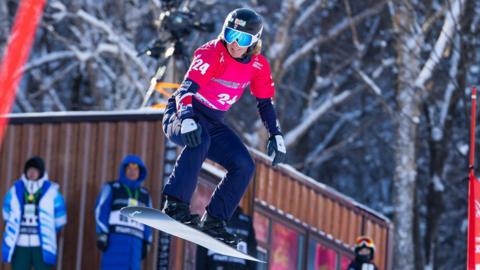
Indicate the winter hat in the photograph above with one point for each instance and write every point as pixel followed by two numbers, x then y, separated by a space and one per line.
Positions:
pixel 35 162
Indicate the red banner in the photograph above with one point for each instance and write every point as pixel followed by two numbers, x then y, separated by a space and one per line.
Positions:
pixel 473 238
pixel 474 224
pixel 16 54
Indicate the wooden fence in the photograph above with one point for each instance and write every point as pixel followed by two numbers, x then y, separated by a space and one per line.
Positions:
pixel 83 150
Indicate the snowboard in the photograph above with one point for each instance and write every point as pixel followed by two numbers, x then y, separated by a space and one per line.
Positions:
pixel 157 219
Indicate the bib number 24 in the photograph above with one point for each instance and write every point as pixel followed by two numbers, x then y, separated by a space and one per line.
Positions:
pixel 199 65
pixel 225 99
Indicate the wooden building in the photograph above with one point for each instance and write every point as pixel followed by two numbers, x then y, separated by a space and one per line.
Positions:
pixel 299 223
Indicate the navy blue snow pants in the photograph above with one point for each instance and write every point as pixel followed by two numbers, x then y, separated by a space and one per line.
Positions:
pixel 219 144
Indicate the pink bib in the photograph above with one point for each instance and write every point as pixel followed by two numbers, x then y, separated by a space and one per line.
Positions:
pixel 222 79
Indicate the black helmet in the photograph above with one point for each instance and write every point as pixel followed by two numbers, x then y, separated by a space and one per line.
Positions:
pixel 245 20
pixel 365 242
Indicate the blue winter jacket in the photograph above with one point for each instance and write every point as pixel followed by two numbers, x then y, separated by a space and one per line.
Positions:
pixel 52 217
pixel 125 238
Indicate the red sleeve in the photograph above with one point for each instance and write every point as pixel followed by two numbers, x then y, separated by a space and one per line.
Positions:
pixel 262 84
pixel 205 61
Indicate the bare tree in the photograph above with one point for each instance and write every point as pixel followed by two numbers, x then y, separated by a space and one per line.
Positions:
pixel 410 91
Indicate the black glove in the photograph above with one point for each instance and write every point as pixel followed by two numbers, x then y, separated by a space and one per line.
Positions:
pixel 276 146
pixel 145 249
pixel 102 241
pixel 191 132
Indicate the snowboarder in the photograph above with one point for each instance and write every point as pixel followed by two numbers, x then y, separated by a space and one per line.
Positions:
pixel 194 118
pixel 124 242
pixel 364 254
pixel 34 212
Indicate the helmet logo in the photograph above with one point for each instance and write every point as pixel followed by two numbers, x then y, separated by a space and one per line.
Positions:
pixel 238 22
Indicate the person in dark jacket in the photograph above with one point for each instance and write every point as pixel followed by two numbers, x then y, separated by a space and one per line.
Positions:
pixel 241 225
pixel 124 242
pixel 364 254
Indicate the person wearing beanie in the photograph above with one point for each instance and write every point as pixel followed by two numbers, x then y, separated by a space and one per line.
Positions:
pixel 364 254
pixel 123 242
pixel 30 238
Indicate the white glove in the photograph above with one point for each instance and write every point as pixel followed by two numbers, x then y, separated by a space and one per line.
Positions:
pixel 191 132
pixel 276 147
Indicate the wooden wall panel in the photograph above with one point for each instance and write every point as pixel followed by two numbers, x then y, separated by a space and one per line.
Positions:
pixel 344 224
pixel 281 198
pixel 327 216
pixel 335 219
pixel 320 212
pixel 72 196
pixel 327 212
pixel 260 181
pixel 272 189
pixel 379 236
pixel 312 208
pixel 304 203
pixel 291 195
pixel 354 228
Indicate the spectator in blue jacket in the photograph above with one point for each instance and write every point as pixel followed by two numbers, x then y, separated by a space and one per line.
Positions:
pixel 34 212
pixel 124 242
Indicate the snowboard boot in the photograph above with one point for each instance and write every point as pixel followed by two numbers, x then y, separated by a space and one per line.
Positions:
pixel 180 211
pixel 217 229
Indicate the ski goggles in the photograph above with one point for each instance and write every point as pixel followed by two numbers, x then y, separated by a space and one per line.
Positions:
pixel 243 39
pixel 364 242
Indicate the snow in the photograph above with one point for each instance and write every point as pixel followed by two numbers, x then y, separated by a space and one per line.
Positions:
pixel 452 85
pixel 61 10
pixel 298 3
pixel 475 68
pixel 307 13
pixel 373 86
pixel 294 135
pixel 463 148
pixel 125 46
pixel 54 56
pixel 437 134
pixel 275 50
pixel 448 31
pixel 332 33
pixel 464 225
pixel 322 82
pixel 416 119
pixel 438 184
